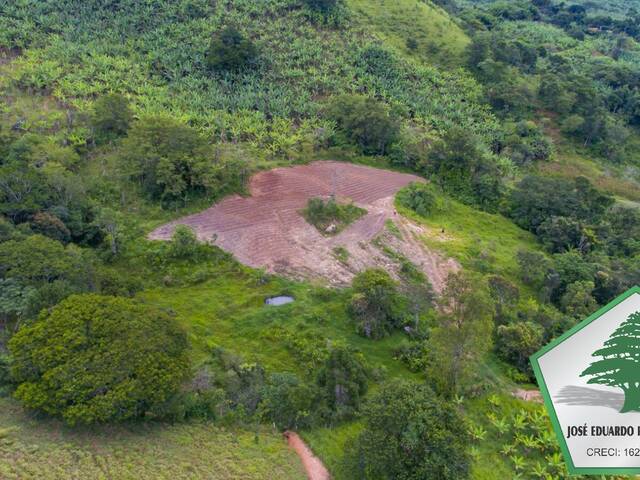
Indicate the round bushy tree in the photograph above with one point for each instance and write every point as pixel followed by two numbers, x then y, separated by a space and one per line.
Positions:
pixel 94 359
pixel 410 434
pixel 230 50
pixel 376 304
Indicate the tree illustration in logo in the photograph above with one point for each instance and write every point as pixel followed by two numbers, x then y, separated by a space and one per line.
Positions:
pixel 620 364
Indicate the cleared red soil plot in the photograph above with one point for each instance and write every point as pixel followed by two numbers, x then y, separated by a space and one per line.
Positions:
pixel 266 229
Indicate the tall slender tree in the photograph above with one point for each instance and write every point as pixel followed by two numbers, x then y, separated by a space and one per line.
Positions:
pixel 620 363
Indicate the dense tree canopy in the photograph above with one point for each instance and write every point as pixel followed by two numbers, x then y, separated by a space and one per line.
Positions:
pixel 169 159
pixel 95 359
pixel 410 434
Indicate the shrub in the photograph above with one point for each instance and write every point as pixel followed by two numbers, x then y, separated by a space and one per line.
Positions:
pixel 229 50
pixel 419 198
pixel 517 342
pixel 376 304
pixel 112 117
pixel 184 243
pixel 410 434
pixel 94 359
pixel 330 216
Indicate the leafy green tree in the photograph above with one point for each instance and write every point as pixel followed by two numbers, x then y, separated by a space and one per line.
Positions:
pixel 375 304
pixel 343 382
pixel 230 50
pixel 578 300
pixel 112 117
pixel 461 166
pixel 619 364
pixel 14 301
pixel 462 336
pixel 410 434
pixel 419 198
pixel 517 341
pixel 37 260
pixel 288 402
pixel 505 296
pixel 170 160
pixel 95 359
pixel 23 191
pixel 561 234
pixel 368 123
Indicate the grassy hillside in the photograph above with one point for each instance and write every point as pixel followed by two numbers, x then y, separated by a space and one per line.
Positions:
pixel 438 39
pixel 32 448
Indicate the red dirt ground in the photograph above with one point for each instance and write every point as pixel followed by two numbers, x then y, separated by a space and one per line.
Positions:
pixel 312 464
pixel 266 230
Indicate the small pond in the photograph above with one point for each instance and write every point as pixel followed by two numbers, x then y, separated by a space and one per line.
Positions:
pixel 279 300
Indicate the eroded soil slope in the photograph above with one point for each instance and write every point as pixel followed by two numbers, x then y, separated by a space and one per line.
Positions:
pixel 266 229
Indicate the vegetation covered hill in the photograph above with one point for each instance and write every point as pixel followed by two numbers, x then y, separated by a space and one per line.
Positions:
pixel 116 117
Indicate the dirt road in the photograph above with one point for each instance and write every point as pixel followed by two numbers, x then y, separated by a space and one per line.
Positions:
pixel 312 464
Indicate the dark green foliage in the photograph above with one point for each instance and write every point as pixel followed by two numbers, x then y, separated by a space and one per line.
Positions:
pixel 410 434
pixel 185 245
pixel 170 160
pixel 516 342
pixel 37 260
pixel 536 199
pixel 15 299
pixel 619 364
pixel 5 377
pixel 560 234
pixel 525 144
pixel 50 226
pixel 111 117
pixel 23 191
pixel 460 165
pixel 367 122
pixel 95 359
pixel 230 51
pixel 288 402
pixel 330 216
pixel 419 198
pixel 323 6
pixel 376 305
pixel 461 337
pixel 343 382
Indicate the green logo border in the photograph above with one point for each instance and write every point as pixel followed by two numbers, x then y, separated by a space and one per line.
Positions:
pixel 573 470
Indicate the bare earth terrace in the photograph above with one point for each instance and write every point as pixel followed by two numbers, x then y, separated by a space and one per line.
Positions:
pixel 266 229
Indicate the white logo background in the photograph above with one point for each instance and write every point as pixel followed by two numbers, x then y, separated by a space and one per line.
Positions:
pixel 578 403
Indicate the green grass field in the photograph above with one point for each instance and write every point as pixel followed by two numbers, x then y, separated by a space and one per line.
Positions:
pixel 439 40
pixel 471 237
pixel 40 449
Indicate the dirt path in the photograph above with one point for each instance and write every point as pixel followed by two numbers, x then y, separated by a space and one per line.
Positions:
pixel 267 231
pixel 312 464
pixel 528 395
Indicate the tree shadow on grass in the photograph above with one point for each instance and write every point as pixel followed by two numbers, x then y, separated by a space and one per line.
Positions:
pixel 589 397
